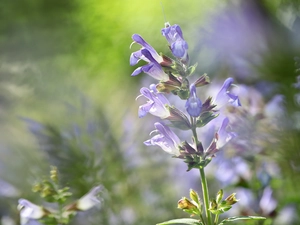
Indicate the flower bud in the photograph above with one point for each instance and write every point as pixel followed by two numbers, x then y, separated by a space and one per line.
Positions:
pixel 213 206
pixel 202 80
pixel 185 203
pixel 231 199
pixel 54 174
pixel 166 61
pixel 219 196
pixel 173 84
pixel 194 196
pixel 37 187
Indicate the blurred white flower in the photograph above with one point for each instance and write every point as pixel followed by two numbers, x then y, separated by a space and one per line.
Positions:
pixel 87 201
pixel 28 211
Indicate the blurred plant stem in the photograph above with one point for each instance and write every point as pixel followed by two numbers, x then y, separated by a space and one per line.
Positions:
pixel 205 195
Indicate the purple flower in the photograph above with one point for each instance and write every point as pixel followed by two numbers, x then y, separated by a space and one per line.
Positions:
pixel 267 203
pixel 223 135
pixel 178 45
pixel 193 104
pixel 231 170
pixel 221 138
pixel 153 68
pixel 149 55
pixel 137 56
pixel 166 139
pixel 156 104
pixel 225 96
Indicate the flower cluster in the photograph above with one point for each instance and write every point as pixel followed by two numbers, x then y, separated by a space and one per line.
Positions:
pixel 173 75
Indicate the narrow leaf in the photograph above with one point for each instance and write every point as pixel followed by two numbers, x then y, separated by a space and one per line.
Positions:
pixel 235 218
pixel 182 221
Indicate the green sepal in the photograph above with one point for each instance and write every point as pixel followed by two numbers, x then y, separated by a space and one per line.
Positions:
pixel 197 162
pixel 178 119
pixel 191 69
pixel 172 85
pixel 219 196
pixel 205 118
pixel 235 218
pixel 48 191
pixel 182 221
pixel 62 195
pixel 202 80
pixel 194 196
pixel 222 208
pixel 178 70
pixel 183 94
pixel 213 207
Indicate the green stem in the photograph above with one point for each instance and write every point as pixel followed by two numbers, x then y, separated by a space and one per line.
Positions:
pixel 201 217
pixel 194 132
pixel 203 178
pixel 217 218
pixel 205 195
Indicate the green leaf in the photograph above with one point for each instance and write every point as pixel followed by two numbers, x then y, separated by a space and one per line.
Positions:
pixel 182 221
pixel 230 219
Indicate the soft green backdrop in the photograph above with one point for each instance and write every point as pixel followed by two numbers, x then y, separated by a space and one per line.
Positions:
pixel 65 64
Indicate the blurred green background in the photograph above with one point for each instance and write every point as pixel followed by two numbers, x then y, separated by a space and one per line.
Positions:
pixel 67 99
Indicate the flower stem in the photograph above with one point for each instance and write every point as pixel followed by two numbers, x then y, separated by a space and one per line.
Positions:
pixel 203 178
pixel 217 218
pixel 205 195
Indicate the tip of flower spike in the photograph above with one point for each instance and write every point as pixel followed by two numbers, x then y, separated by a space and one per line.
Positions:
pixel 167 24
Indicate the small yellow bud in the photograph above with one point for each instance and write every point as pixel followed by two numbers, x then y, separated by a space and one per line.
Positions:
pixel 185 203
pixel 37 187
pixel 231 199
pixel 194 196
pixel 213 205
pixel 219 196
pixel 54 174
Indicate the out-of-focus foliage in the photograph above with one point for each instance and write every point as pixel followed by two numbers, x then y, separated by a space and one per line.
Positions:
pixel 54 52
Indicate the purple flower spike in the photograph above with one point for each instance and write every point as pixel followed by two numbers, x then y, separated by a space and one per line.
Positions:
pixel 224 96
pixel 166 139
pixel 156 104
pixel 178 45
pixel 193 105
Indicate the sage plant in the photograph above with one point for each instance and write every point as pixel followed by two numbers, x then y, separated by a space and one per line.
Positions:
pixel 173 77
